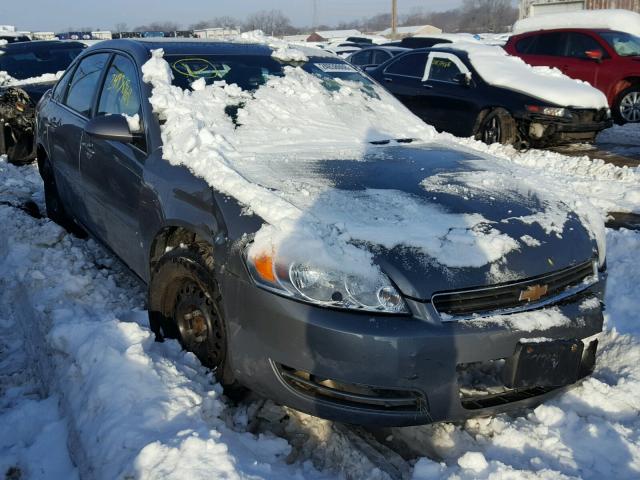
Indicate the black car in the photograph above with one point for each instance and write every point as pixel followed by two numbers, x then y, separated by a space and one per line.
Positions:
pixel 441 86
pixel 10 37
pixel 25 63
pixel 398 345
pixel 418 42
pixel 374 56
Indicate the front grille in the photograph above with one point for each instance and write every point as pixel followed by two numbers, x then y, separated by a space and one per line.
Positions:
pixel 589 115
pixel 346 394
pixel 508 297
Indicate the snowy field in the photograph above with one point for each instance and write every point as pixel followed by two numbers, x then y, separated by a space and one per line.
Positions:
pixel 85 392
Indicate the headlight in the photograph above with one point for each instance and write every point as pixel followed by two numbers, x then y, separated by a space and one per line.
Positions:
pixel 313 284
pixel 550 111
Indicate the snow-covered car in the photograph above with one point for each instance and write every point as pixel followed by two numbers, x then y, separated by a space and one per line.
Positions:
pixel 472 89
pixel 301 232
pixel 27 70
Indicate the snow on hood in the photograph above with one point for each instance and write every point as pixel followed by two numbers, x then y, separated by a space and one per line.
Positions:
pixel 498 68
pixel 613 19
pixel 295 113
pixel 7 80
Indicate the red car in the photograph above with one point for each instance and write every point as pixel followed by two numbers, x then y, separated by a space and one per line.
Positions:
pixel 607 59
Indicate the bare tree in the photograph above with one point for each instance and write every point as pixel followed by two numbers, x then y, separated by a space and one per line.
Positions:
pixel 121 27
pixel 158 27
pixel 217 22
pixel 271 22
pixel 487 15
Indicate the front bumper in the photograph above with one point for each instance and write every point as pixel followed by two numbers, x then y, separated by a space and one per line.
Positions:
pixel 368 356
pixel 581 126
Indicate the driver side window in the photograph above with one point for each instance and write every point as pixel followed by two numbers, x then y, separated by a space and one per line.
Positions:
pixel 121 96
pixel 443 69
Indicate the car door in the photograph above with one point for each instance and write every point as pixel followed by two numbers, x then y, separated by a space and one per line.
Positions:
pixel 403 78
pixel 544 49
pixel 449 93
pixel 66 124
pixel 112 171
pixel 578 64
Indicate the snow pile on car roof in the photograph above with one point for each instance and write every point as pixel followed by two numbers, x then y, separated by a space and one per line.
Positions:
pixel 613 19
pixel 295 117
pixel 7 80
pixel 498 68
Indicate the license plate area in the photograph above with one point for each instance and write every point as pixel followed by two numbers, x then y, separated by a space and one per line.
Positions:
pixel 544 364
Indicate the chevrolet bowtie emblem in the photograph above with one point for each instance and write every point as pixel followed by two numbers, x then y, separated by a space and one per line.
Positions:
pixel 533 293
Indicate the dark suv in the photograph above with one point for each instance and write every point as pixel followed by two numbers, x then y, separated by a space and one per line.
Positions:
pixel 422 342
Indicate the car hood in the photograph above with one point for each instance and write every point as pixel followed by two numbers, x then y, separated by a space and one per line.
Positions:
pixel 34 90
pixel 412 204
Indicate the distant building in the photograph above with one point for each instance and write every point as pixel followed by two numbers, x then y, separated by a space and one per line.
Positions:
pixel 102 35
pixel 215 32
pixel 332 35
pixel 43 36
pixel 531 8
pixel 295 38
pixel 412 31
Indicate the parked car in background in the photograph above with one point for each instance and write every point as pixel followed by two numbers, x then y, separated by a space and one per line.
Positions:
pixel 478 90
pixel 27 70
pixel 607 59
pixel 12 37
pixel 281 321
pixel 374 56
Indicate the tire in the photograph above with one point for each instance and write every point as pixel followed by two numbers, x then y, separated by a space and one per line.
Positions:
pixel 21 152
pixel 626 107
pixel 498 126
pixel 185 303
pixel 55 209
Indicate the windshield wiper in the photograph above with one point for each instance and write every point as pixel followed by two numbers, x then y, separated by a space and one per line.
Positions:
pixel 387 142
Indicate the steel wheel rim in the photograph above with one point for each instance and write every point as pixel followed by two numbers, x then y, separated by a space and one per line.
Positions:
pixel 492 131
pixel 199 324
pixel 630 107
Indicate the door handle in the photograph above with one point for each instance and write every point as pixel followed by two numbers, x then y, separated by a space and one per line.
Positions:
pixel 388 80
pixel 427 86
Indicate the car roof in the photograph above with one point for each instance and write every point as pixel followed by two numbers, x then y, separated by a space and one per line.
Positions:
pixel 186 46
pixel 39 45
pixel 386 48
pixel 567 29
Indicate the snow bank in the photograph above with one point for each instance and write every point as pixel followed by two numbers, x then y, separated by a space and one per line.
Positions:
pixel 7 80
pixel 620 20
pixel 500 69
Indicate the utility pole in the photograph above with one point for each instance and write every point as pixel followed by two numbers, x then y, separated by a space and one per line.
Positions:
pixel 315 14
pixel 394 18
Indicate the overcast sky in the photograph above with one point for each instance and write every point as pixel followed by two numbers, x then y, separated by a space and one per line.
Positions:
pixel 58 15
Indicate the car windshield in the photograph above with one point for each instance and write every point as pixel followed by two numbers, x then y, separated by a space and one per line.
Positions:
pixel 22 64
pixel 625 44
pixel 249 72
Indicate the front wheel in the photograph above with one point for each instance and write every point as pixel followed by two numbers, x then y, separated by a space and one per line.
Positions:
pixel 498 126
pixel 626 108
pixel 185 303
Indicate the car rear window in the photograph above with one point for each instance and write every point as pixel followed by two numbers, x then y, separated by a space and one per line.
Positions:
pixel 28 63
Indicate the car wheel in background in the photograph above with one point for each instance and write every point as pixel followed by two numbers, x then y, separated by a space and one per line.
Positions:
pixel 185 303
pixel 498 126
pixel 55 209
pixel 626 108
pixel 20 152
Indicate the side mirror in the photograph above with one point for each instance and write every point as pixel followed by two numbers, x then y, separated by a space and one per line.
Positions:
pixel 110 127
pixel 463 79
pixel 594 55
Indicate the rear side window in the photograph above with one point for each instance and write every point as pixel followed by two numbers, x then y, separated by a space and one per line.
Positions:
pixel 524 45
pixel 362 58
pixel 552 44
pixel 60 89
pixel 411 65
pixel 84 83
pixel 579 43
pixel 379 57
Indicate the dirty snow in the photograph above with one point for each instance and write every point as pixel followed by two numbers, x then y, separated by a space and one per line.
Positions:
pixel 498 68
pixel 83 379
pixel 7 80
pixel 612 19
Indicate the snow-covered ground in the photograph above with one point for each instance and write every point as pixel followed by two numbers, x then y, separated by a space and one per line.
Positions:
pixel 86 392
